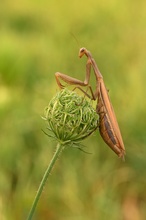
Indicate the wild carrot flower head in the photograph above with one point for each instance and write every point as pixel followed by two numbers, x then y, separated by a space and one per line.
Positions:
pixel 70 118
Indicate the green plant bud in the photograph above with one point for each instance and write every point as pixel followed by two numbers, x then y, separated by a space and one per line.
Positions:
pixel 70 117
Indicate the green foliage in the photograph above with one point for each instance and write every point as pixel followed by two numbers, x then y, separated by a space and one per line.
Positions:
pixel 35 42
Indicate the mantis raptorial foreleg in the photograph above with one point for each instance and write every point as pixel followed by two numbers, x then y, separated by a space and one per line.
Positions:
pixel 108 125
pixel 74 81
pixel 68 80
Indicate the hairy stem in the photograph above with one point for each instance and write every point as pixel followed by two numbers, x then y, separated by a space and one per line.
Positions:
pixel 45 177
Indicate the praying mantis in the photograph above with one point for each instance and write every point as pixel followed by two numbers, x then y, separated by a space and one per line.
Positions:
pixel 108 125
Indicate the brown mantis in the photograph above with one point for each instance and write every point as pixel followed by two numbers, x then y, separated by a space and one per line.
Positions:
pixel 108 125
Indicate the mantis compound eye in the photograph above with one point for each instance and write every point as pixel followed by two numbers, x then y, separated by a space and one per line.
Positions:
pixel 82 52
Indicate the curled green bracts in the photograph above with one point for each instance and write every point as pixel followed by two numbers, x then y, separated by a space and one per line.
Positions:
pixel 70 117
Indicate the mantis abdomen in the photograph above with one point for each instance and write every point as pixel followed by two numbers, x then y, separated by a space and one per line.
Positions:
pixel 108 126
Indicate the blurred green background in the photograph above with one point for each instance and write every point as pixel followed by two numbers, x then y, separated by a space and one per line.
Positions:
pixel 35 42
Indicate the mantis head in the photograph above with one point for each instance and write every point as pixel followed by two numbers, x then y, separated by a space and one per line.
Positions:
pixel 82 51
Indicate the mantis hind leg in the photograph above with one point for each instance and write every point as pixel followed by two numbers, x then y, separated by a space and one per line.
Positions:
pixel 85 92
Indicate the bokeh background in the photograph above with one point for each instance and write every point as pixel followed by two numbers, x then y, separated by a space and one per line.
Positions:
pixel 36 40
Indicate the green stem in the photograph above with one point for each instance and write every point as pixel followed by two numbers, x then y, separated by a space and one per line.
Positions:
pixel 45 177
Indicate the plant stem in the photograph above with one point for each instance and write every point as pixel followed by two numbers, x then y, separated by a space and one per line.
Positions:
pixel 45 177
